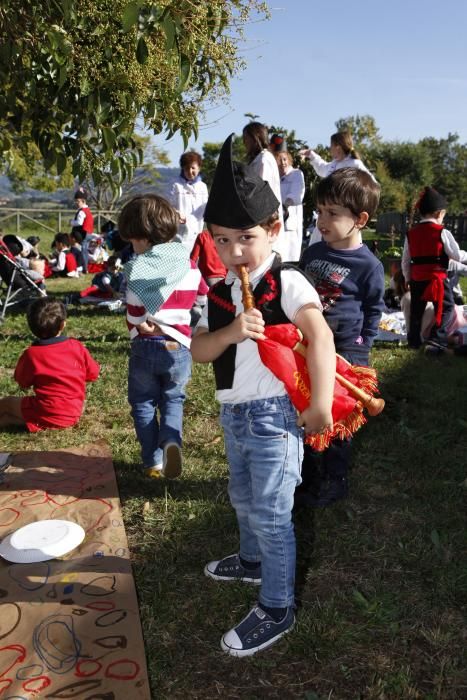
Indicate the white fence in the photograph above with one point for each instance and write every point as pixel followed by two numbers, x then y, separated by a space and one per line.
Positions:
pixel 15 218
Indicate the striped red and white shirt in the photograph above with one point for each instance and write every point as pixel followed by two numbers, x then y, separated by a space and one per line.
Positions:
pixel 173 318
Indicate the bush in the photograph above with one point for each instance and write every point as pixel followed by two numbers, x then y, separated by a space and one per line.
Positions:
pixel 394 251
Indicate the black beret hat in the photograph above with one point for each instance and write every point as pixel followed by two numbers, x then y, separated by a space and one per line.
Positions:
pixel 431 200
pixel 238 197
pixel 278 143
pixel 81 193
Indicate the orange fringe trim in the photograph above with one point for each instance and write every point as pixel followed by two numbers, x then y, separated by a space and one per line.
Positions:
pixel 344 429
pixel 367 379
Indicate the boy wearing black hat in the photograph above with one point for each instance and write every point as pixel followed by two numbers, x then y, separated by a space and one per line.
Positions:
pixel 83 216
pixel 83 223
pixel 428 248
pixel 263 437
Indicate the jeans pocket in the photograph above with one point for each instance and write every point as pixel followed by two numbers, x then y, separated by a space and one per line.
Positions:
pixel 268 424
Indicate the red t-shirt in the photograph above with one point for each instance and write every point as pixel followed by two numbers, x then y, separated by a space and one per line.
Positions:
pixel 205 254
pixel 57 369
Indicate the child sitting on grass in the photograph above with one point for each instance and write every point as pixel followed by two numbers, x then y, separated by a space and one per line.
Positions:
pixel 63 263
pixel 162 287
pixel 107 284
pixel 56 367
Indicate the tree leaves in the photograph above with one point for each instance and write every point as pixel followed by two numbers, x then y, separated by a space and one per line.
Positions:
pixel 130 15
pixel 75 77
pixel 185 71
pixel 142 52
pixel 109 137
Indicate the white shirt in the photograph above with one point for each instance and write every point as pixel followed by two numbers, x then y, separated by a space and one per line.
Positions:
pixel 451 248
pixel 78 220
pixel 189 198
pixel 252 379
pixel 323 168
pixel 293 189
pixel 265 167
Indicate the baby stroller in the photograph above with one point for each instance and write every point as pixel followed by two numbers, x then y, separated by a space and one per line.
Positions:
pixel 16 287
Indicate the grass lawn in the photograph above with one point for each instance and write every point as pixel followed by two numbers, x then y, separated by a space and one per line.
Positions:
pixel 382 578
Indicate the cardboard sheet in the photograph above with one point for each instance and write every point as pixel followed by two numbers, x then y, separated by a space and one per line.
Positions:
pixel 69 627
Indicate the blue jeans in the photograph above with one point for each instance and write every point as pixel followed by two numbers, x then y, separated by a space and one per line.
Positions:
pixel 264 447
pixel 156 382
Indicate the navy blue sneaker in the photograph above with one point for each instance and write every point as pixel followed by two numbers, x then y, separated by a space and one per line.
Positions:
pixel 257 631
pixel 433 348
pixel 231 569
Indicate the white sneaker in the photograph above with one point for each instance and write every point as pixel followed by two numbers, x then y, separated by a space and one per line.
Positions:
pixel 172 460
pixel 154 472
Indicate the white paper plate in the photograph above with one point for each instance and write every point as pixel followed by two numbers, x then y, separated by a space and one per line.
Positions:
pixel 41 541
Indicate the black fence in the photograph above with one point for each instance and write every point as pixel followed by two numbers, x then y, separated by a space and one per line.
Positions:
pixel 396 223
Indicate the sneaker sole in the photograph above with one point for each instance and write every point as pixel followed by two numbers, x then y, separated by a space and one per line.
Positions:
pixel 173 462
pixel 231 579
pixel 249 652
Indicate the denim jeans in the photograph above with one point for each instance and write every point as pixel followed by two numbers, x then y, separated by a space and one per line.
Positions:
pixel 264 447
pixel 156 382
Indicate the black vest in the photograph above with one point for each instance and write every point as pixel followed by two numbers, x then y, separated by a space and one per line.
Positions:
pixel 221 312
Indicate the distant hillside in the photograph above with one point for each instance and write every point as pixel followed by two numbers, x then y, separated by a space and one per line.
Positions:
pixel 167 176
pixel 64 198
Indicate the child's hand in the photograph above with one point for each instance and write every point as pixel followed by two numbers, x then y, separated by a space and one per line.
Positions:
pixel 149 328
pixel 315 420
pixel 248 324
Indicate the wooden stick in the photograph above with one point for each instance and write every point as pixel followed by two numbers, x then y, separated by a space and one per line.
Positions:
pixel 373 404
pixel 248 299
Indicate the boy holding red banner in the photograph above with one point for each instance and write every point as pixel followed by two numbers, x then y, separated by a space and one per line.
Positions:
pixel 263 439
pixel 350 282
pixel 428 249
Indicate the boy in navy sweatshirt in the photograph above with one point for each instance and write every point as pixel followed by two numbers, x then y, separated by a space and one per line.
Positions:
pixel 350 282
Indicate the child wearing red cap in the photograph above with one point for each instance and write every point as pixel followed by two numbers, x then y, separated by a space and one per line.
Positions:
pixel 425 260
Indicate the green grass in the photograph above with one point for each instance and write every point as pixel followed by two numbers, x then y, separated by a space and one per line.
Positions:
pixel 382 578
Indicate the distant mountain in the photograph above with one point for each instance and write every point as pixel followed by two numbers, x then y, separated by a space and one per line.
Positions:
pixel 168 175
pixel 64 198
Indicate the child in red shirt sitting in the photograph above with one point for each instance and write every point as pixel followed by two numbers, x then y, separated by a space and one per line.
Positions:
pixel 56 367
pixel 63 262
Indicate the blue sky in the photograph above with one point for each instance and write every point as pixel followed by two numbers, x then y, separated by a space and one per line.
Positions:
pixel 402 61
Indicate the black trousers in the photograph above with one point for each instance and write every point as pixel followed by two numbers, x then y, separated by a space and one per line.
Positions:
pixel 332 463
pixel 417 307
